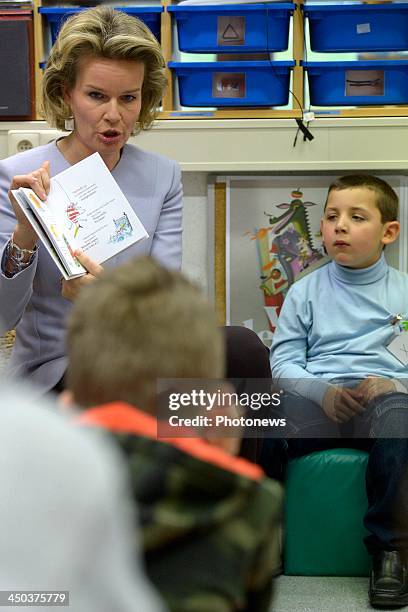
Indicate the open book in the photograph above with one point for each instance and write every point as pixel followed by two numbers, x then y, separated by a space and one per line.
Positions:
pixel 85 209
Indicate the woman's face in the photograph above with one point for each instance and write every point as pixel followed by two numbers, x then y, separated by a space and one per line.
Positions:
pixel 105 104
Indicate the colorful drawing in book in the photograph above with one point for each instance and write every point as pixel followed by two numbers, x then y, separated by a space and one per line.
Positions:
pixel 37 203
pixel 123 229
pixel 285 249
pixel 74 214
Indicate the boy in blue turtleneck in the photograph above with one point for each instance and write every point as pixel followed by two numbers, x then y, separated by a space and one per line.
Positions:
pixel 338 351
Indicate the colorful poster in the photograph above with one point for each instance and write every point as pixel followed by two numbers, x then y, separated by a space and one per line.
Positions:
pixel 273 239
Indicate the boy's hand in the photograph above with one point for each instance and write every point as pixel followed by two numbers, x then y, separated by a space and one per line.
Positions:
pixel 71 288
pixel 340 404
pixel 373 386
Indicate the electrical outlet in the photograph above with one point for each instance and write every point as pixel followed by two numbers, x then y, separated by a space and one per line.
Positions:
pixel 19 141
pixel 24 145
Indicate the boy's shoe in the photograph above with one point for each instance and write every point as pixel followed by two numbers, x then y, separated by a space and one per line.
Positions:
pixel 389 580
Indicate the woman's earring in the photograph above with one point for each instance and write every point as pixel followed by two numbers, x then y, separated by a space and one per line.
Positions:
pixel 69 124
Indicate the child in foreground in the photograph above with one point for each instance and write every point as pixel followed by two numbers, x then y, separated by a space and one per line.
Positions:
pixel 208 517
pixel 337 352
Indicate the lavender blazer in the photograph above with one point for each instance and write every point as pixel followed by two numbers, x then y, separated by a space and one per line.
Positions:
pixel 31 301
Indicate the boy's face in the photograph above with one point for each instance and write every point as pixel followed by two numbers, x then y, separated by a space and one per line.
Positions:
pixel 352 230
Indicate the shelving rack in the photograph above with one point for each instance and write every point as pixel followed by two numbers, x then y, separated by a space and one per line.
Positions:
pixel 170 112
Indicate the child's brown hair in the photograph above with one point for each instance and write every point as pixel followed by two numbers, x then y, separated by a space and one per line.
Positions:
pixel 386 198
pixel 135 324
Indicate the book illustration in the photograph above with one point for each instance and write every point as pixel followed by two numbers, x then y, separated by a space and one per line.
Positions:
pixel 57 231
pixel 54 231
pixel 75 215
pixel 123 229
pixel 36 201
pixel 71 252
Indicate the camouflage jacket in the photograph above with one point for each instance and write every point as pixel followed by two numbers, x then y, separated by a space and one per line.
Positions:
pixel 208 519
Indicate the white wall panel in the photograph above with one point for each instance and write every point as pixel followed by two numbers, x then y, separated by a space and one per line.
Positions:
pixel 205 147
pixel 259 145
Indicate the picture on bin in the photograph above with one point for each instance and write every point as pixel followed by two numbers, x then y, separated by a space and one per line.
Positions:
pixel 231 30
pixel 364 82
pixel 228 85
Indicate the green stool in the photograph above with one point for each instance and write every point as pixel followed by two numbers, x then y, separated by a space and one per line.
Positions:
pixel 324 508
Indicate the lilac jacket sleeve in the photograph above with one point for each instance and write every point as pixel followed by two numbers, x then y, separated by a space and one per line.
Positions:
pixel 15 292
pixel 167 240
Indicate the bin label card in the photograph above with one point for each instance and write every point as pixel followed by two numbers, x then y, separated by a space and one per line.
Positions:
pixel 363 28
pixel 230 31
pixel 228 85
pixel 364 83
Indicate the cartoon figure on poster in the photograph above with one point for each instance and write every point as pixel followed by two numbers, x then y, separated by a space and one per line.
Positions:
pixel 285 249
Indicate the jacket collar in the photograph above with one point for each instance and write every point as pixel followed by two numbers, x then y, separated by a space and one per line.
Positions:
pixel 119 417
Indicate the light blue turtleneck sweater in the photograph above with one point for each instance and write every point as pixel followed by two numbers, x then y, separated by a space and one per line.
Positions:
pixel 336 323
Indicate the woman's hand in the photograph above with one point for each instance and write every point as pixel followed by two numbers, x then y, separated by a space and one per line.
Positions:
pixel 71 288
pixel 39 181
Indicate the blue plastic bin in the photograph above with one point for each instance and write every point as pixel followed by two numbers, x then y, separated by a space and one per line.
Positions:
pixel 150 15
pixel 361 27
pixel 238 28
pixel 357 83
pixel 233 83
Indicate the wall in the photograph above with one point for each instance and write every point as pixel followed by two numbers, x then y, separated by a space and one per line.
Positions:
pixel 206 148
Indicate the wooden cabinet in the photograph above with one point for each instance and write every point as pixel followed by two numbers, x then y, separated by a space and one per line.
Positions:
pixel 169 111
pixel 16 65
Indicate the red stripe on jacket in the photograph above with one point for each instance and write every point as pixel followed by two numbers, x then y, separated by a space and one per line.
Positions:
pixel 124 418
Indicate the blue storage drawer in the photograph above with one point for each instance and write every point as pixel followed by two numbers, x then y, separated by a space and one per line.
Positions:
pixel 357 83
pixel 150 15
pixel 238 28
pixel 361 27
pixel 233 83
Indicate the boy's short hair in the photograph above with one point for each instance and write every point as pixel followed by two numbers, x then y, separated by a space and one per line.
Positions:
pixel 386 198
pixel 135 324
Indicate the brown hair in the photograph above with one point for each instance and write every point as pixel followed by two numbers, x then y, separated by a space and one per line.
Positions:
pixel 135 324
pixel 386 198
pixel 102 32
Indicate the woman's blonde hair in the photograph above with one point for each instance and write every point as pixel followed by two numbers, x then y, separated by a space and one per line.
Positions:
pixel 102 32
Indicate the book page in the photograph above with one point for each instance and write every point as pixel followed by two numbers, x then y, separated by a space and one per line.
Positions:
pixel 85 209
pixel 96 215
pixel 49 230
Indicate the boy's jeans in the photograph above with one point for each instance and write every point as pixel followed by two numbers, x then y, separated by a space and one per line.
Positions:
pixel 383 433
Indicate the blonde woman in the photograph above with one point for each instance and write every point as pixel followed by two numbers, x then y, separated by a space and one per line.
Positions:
pixel 103 82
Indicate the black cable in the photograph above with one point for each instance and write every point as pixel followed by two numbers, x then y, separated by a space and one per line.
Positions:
pixel 307 135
